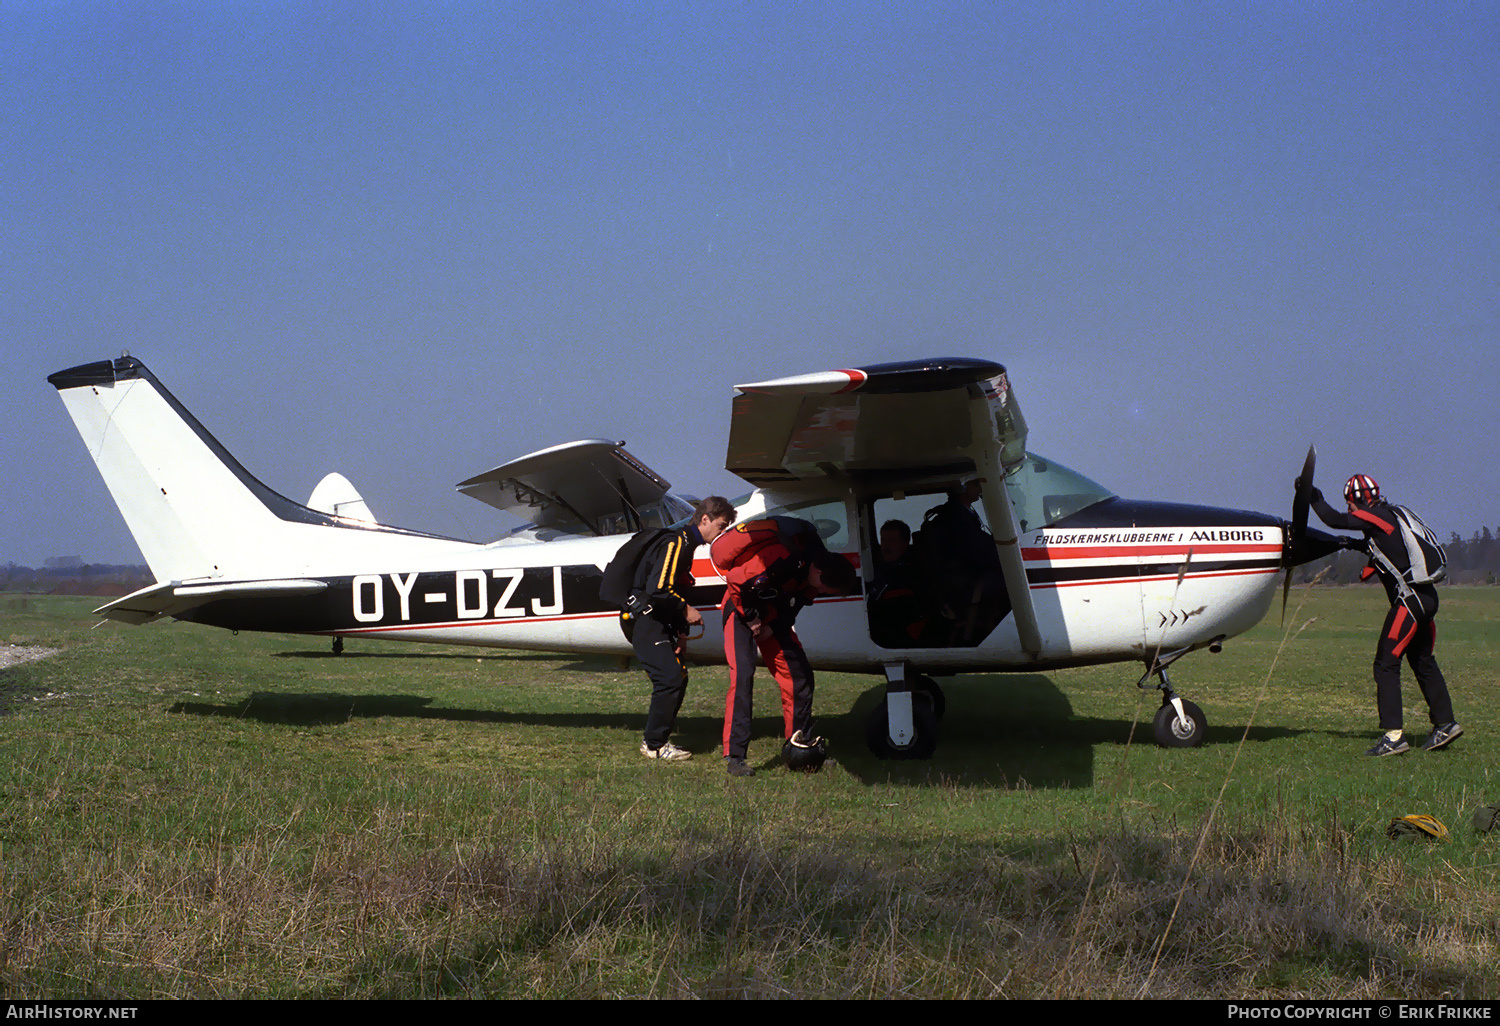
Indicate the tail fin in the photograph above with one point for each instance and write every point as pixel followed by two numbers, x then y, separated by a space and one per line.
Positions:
pixel 194 510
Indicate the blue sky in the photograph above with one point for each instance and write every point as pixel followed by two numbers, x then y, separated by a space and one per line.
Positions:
pixel 409 242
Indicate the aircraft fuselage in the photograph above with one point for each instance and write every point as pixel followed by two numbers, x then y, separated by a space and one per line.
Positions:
pixel 1105 584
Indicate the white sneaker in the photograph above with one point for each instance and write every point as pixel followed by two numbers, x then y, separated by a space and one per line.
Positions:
pixel 667 752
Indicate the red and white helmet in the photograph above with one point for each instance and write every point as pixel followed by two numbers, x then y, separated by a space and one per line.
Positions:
pixel 1361 490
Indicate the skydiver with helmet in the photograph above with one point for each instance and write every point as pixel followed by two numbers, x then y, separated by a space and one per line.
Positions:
pixel 1405 554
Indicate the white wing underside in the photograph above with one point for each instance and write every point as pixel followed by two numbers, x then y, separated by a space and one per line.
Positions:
pixel 591 486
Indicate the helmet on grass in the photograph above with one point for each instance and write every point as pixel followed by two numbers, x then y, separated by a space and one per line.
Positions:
pixel 803 753
pixel 1419 825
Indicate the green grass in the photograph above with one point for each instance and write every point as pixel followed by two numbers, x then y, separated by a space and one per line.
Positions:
pixel 187 813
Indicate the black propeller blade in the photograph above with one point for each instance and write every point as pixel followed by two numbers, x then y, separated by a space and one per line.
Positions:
pixel 1297 529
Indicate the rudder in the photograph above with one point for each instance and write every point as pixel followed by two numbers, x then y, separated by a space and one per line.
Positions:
pixel 193 509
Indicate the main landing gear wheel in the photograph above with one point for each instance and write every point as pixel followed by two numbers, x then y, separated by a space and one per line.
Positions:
pixel 924 721
pixel 1185 731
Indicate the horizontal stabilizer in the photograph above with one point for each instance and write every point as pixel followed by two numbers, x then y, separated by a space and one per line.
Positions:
pixel 139 606
pixel 175 597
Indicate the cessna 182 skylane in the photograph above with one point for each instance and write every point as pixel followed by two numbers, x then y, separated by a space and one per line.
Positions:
pixel 1088 577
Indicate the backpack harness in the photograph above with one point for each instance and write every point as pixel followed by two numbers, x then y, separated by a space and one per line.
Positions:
pixel 622 585
pixel 1427 563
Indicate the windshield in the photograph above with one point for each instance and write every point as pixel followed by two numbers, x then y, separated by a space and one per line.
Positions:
pixel 1042 492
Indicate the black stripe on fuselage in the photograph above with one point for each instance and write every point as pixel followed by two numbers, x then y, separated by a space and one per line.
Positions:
pixel 392 601
pixel 1121 571
pixel 1125 514
pixel 1120 515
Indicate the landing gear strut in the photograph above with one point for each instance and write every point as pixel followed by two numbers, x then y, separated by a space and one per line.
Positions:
pixel 905 723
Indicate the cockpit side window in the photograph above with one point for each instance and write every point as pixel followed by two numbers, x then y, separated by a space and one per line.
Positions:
pixel 650 517
pixel 945 587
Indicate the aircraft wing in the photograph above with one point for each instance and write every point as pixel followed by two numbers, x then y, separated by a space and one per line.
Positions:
pixel 914 417
pixel 592 486
pixel 887 422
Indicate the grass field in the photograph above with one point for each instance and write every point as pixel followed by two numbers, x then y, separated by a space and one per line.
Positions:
pixel 188 813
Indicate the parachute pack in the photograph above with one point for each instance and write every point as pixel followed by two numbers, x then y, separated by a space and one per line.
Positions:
pixel 1426 560
pixel 619 586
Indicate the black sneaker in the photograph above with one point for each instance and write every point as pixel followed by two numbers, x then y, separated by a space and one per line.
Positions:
pixel 1385 746
pixel 736 767
pixel 1441 735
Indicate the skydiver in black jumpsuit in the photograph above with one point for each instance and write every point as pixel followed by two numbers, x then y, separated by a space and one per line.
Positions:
pixel 658 634
pixel 1409 627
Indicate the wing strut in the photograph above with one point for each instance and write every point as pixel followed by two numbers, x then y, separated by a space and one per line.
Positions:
pixel 988 448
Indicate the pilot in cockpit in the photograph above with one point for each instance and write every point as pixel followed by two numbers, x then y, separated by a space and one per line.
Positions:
pixel 963 566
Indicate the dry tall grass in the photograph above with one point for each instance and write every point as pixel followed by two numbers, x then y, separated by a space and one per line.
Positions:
pixel 1269 911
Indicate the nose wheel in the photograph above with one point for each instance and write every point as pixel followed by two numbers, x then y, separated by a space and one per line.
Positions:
pixel 1179 723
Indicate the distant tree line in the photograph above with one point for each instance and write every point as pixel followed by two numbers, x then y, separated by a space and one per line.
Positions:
pixel 1474 560
pixel 70 577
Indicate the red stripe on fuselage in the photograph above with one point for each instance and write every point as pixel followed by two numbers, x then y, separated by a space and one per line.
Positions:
pixel 487 622
pixel 1049 553
pixel 532 619
pixel 704 571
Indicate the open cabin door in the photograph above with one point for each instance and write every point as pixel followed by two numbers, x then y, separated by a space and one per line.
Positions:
pixel 934 579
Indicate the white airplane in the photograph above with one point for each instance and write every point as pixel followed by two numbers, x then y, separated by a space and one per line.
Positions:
pixel 1079 575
